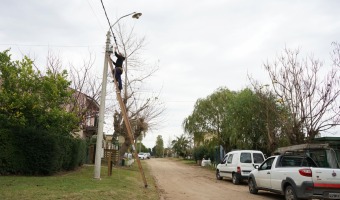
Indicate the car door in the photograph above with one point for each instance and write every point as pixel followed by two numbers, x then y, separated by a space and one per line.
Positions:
pixel 264 174
pixel 230 165
pixel 223 166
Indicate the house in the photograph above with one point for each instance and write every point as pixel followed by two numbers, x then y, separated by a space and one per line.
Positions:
pixel 88 109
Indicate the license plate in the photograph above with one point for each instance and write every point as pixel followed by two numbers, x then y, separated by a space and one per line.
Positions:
pixel 334 195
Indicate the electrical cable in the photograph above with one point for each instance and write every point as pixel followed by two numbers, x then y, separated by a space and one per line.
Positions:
pixel 114 37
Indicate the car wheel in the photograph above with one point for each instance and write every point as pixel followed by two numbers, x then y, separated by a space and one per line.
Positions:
pixel 218 175
pixel 252 186
pixel 235 179
pixel 290 193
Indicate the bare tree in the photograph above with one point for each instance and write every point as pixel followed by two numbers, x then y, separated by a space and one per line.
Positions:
pixel 144 109
pixel 312 102
pixel 84 87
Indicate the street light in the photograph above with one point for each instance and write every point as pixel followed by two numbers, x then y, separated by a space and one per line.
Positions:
pixel 134 15
pixel 103 95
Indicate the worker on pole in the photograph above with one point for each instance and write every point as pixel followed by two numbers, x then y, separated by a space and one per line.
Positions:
pixel 118 71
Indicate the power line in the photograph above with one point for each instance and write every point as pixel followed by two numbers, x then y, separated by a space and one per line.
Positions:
pixel 114 37
pixel 95 15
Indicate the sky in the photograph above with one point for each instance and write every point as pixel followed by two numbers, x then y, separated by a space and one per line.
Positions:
pixel 199 45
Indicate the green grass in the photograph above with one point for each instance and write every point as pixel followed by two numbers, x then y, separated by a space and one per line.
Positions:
pixel 125 183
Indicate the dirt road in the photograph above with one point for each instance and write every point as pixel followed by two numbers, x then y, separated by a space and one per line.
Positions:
pixel 179 181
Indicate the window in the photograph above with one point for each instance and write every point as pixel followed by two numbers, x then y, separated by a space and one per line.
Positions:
pixel 258 158
pixel 245 158
pixel 267 164
pixel 225 159
pixel 230 158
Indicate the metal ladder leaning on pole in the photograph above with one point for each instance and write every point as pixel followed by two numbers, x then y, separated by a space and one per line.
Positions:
pixel 127 122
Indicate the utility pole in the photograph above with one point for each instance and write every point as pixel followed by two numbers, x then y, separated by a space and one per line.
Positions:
pixel 98 160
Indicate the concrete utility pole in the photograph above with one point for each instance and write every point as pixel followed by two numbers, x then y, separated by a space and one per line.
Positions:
pixel 103 96
pixel 99 143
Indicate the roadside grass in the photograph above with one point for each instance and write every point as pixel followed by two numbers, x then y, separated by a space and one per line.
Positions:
pixel 125 183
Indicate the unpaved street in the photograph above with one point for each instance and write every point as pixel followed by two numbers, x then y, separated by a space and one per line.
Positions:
pixel 179 181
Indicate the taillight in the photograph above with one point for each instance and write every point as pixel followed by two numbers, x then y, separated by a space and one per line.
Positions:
pixel 238 169
pixel 306 172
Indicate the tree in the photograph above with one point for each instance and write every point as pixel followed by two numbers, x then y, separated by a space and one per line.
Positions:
pixel 181 145
pixel 243 120
pixel 211 116
pixel 143 110
pixel 311 101
pixel 28 99
pixel 83 86
pixel 159 147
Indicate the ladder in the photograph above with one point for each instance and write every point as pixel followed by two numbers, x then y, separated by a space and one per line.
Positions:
pixel 127 122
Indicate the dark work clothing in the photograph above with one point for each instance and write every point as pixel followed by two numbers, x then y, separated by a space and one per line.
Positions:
pixel 118 73
pixel 120 60
pixel 119 69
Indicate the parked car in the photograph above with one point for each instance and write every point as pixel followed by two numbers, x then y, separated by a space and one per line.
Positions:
pixel 296 177
pixel 142 155
pixel 148 155
pixel 237 165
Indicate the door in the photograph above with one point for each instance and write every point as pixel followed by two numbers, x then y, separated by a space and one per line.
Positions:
pixel 223 166
pixel 264 174
pixel 230 165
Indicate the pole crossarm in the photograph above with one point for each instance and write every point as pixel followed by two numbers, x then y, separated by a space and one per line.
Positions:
pixel 127 123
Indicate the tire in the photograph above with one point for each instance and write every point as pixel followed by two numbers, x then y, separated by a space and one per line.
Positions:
pixel 290 193
pixel 252 186
pixel 235 179
pixel 218 176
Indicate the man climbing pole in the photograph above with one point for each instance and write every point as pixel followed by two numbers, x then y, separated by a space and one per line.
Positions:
pixel 118 68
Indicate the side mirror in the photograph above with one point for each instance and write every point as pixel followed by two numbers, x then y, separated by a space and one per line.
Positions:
pixel 256 166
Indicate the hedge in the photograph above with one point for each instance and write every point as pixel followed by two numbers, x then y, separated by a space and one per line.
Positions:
pixel 38 152
pixel 205 152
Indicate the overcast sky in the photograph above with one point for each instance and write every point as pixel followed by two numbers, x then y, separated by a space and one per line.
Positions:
pixel 200 45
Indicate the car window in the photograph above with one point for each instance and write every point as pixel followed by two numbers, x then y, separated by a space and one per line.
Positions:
pixel 267 164
pixel 230 158
pixel 294 161
pixel 225 159
pixel 245 158
pixel 258 158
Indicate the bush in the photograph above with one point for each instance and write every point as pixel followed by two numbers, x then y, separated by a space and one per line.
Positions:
pixel 200 152
pixel 205 152
pixel 10 156
pixel 38 152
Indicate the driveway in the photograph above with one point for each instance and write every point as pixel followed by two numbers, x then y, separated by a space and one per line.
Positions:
pixel 178 181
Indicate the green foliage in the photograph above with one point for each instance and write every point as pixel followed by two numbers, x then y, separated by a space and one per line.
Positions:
pixel 200 152
pixel 11 157
pixel 28 99
pixel 37 152
pixel 181 145
pixel 159 147
pixel 34 124
pixel 237 120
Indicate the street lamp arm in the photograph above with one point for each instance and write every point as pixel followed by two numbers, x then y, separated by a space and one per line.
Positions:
pixel 123 17
pixel 134 15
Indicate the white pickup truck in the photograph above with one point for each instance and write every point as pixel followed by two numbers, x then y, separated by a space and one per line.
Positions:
pixel 296 177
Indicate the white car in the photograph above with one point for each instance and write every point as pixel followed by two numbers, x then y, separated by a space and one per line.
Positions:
pixel 296 177
pixel 142 155
pixel 148 155
pixel 237 165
